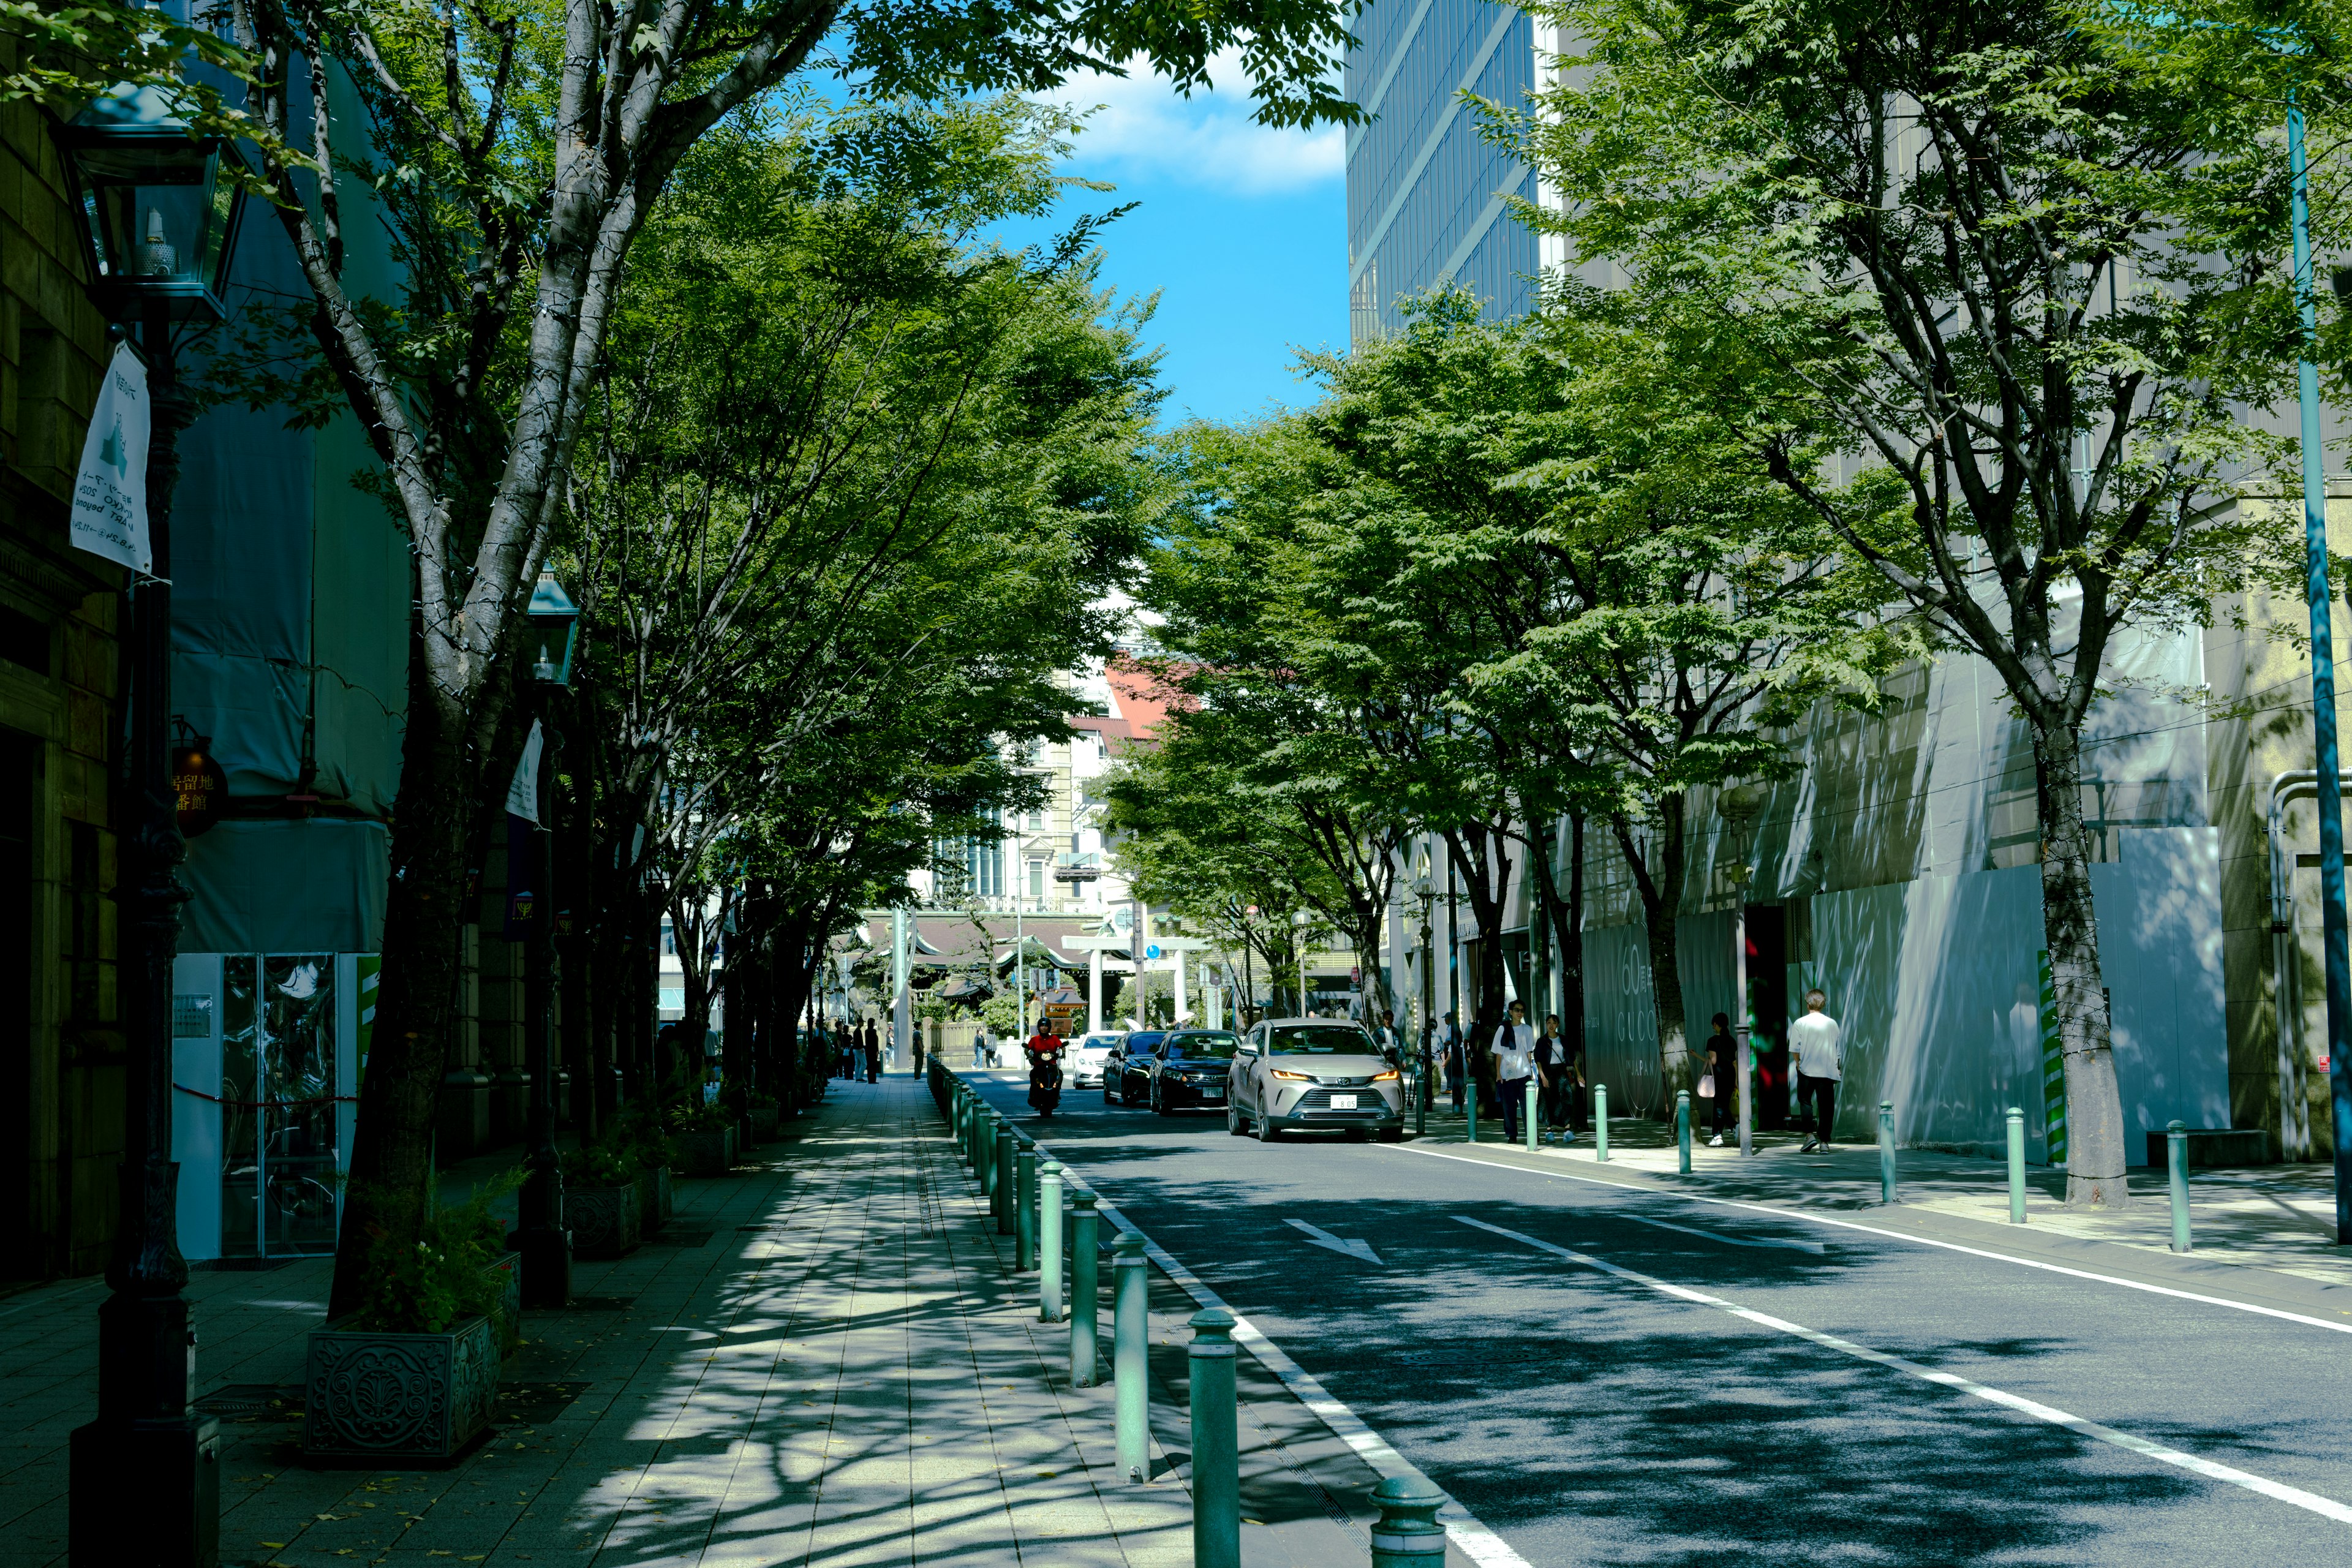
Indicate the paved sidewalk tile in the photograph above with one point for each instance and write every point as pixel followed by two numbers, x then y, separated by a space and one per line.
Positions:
pixel 825 1359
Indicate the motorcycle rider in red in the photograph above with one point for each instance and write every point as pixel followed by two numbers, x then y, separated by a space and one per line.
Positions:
pixel 1045 1049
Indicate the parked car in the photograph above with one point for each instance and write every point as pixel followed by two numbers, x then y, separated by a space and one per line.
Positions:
pixel 1136 1053
pixel 1313 1073
pixel 1190 1069
pixel 1088 1056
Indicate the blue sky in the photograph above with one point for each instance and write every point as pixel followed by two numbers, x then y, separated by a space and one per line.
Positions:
pixel 1240 230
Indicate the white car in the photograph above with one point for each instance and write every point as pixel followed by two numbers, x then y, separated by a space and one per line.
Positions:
pixel 1088 1055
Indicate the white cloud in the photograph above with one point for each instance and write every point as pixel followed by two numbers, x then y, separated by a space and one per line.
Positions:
pixel 1143 128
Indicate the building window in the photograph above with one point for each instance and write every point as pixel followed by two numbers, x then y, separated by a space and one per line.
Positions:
pixel 1037 879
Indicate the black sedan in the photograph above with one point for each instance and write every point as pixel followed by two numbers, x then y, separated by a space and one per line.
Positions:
pixel 1190 1070
pixel 1129 1071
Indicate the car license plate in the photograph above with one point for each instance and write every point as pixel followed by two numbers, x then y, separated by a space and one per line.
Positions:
pixel 1213 1091
pixel 1343 1102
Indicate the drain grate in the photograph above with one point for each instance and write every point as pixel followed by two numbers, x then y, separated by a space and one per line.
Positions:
pixel 253 1402
pixel 674 1237
pixel 600 1303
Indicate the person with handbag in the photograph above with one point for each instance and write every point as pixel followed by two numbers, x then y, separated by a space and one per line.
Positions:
pixel 1552 1062
pixel 1720 1086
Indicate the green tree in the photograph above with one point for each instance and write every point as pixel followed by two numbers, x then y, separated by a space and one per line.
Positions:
pixel 2019 285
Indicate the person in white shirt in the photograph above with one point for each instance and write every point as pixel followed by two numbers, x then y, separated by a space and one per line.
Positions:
pixel 1814 1041
pixel 1515 1062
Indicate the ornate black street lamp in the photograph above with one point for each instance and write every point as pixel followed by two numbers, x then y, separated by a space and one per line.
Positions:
pixel 145 1479
pixel 540 1235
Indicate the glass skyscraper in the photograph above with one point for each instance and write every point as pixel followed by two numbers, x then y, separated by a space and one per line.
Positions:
pixel 1426 193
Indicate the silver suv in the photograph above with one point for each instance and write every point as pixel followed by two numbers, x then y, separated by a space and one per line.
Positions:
pixel 1312 1073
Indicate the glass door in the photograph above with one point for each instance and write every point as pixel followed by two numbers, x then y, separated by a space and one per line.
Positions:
pixel 278 1123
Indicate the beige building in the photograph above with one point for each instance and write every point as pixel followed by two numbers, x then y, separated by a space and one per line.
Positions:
pixel 61 1046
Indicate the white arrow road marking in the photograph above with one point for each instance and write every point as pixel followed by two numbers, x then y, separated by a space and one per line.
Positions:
pixel 2328 1508
pixel 1356 1246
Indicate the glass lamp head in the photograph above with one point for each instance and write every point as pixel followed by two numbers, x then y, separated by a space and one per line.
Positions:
pixel 554 628
pixel 159 206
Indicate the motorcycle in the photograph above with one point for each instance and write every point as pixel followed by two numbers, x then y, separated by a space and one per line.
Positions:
pixel 1044 1081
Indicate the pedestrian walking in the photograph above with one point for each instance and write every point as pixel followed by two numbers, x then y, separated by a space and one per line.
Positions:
pixel 1815 1040
pixel 1559 1081
pixel 1719 1087
pixel 980 1046
pixel 1513 1051
pixel 1392 1050
pixel 1449 1048
pixel 873 1053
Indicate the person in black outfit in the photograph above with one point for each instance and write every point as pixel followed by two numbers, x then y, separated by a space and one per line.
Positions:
pixel 1723 1062
pixel 873 1054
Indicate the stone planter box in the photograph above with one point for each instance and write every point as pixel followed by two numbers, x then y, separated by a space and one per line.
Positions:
pixel 706 1154
pixel 765 1122
pixel 509 1318
pixel 605 1222
pixel 398 1399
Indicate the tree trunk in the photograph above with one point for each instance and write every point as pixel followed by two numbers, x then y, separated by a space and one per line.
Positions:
pixel 1572 940
pixel 2096 1151
pixel 392 1144
pixel 1659 879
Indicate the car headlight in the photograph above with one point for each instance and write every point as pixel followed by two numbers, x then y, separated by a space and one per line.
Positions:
pixel 1301 1076
pixel 1385 1076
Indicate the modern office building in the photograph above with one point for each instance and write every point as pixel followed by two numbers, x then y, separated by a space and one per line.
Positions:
pixel 1427 193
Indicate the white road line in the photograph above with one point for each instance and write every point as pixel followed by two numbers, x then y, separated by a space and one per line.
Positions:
pixel 2325 1507
pixel 1814 1248
pixel 1480 1544
pixel 1812 1218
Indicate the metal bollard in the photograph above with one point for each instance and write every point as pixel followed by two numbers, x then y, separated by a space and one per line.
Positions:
pixel 983 1155
pixel 1084 1260
pixel 1601 1121
pixel 2016 1166
pixel 1049 1241
pixel 1886 1151
pixel 1130 1340
pixel 1682 1129
pixel 1216 1444
pixel 2176 1159
pixel 1025 1186
pixel 1008 1201
pixel 1534 1135
pixel 1470 1106
pixel 1407 1534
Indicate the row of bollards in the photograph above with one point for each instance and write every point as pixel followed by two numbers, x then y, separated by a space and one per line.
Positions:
pixel 1031 1198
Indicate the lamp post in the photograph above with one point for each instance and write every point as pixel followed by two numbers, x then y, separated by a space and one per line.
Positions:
pixel 1738 807
pixel 1427 893
pixel 144 1480
pixel 540 1232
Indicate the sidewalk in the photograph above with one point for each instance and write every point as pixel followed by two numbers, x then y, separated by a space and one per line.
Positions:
pixel 2277 1218
pixel 824 1358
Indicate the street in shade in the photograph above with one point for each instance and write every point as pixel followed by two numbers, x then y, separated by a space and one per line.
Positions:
pixel 1602 1373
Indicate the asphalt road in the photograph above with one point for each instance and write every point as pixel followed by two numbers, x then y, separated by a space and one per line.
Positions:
pixel 1588 1410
